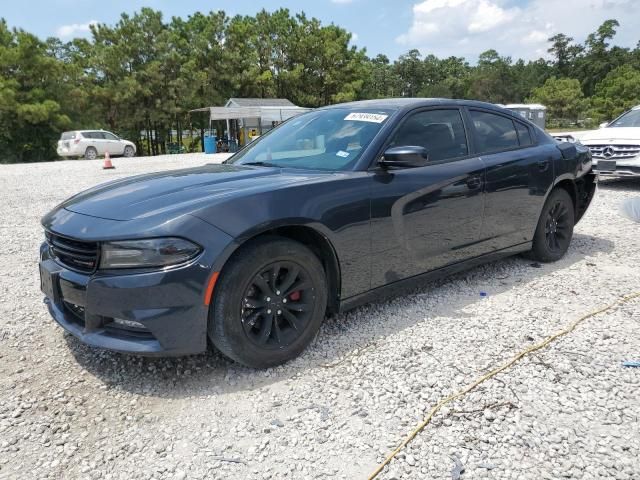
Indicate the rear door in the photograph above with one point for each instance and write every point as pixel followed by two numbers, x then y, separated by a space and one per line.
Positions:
pixel 519 173
pixel 427 217
pixel 96 140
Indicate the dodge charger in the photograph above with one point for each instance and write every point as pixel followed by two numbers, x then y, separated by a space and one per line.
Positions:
pixel 333 208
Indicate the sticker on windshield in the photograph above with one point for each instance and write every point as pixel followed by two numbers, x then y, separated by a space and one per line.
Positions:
pixel 342 153
pixel 366 117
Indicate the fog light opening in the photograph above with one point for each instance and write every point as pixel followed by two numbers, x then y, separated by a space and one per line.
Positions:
pixel 128 324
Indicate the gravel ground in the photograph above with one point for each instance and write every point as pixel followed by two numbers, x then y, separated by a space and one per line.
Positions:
pixel 569 411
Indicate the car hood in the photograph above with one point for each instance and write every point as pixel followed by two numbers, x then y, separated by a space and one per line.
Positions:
pixel 179 191
pixel 613 134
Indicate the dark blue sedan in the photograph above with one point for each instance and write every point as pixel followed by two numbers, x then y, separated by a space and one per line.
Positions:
pixel 332 209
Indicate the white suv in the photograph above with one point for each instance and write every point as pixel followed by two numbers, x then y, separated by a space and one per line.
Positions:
pixel 615 147
pixel 91 143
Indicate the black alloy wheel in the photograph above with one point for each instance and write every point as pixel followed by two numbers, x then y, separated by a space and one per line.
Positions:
pixel 269 302
pixel 278 304
pixel 555 227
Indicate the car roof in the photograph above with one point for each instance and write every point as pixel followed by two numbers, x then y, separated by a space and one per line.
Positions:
pixel 410 103
pixel 88 130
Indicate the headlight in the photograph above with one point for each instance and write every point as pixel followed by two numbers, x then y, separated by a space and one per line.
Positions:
pixel 154 252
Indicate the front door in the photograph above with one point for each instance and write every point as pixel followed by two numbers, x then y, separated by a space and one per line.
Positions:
pixel 113 144
pixel 428 217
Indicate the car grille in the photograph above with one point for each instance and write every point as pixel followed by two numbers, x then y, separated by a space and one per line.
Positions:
pixel 75 254
pixel 614 152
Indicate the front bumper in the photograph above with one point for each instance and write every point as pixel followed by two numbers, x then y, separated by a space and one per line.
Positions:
pixel 618 168
pixel 169 303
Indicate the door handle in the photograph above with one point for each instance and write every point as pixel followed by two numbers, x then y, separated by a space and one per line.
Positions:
pixel 473 182
pixel 543 165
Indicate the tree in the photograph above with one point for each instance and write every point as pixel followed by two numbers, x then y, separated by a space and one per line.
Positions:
pixel 618 92
pixel 445 78
pixel 527 76
pixel 381 79
pixel 142 75
pixel 598 60
pixel 565 54
pixel 411 72
pixel 562 97
pixel 32 94
pixel 493 79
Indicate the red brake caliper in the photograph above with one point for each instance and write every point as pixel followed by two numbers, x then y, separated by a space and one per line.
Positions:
pixel 295 296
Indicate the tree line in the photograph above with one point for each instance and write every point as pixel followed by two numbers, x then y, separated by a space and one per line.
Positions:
pixel 141 76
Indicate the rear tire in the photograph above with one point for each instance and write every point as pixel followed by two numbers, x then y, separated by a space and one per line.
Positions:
pixel 90 153
pixel 555 227
pixel 128 151
pixel 269 302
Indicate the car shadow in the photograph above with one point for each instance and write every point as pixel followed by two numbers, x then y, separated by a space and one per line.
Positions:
pixel 631 184
pixel 341 335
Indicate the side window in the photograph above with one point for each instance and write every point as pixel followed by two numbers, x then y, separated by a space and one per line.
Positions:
pixel 524 135
pixel 494 132
pixel 94 135
pixel 441 132
pixel 109 136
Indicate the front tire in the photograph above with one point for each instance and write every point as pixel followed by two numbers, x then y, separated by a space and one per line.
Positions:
pixel 128 151
pixel 269 302
pixel 90 153
pixel 555 227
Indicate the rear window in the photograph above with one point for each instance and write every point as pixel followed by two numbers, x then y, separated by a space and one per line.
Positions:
pixel 524 135
pixel 68 135
pixel 495 132
pixel 94 135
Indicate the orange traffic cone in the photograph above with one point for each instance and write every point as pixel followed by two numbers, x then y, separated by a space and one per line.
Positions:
pixel 107 162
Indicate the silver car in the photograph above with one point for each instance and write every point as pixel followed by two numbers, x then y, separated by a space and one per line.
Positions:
pixel 615 146
pixel 93 143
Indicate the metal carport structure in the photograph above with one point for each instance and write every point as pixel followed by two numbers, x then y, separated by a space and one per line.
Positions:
pixel 261 114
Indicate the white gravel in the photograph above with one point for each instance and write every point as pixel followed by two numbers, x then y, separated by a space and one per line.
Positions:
pixel 569 411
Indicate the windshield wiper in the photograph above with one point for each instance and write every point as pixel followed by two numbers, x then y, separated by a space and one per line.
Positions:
pixel 261 164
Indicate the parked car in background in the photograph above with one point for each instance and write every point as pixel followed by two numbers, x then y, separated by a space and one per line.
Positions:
pixel 615 147
pixel 93 143
pixel 329 210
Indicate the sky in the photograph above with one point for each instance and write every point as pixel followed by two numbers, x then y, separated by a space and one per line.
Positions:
pixel 465 28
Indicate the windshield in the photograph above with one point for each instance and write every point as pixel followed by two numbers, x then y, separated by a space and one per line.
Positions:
pixel 330 139
pixel 629 119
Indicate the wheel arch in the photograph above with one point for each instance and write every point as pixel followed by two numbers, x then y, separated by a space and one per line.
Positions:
pixel 310 236
pixel 581 190
pixel 569 185
pixel 90 147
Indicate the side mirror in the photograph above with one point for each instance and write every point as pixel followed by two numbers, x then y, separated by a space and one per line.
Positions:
pixel 405 157
pixel 568 150
pixel 604 125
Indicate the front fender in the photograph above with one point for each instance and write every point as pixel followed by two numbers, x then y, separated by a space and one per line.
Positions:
pixel 338 210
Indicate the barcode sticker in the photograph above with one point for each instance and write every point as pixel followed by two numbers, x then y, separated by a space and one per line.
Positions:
pixel 366 117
